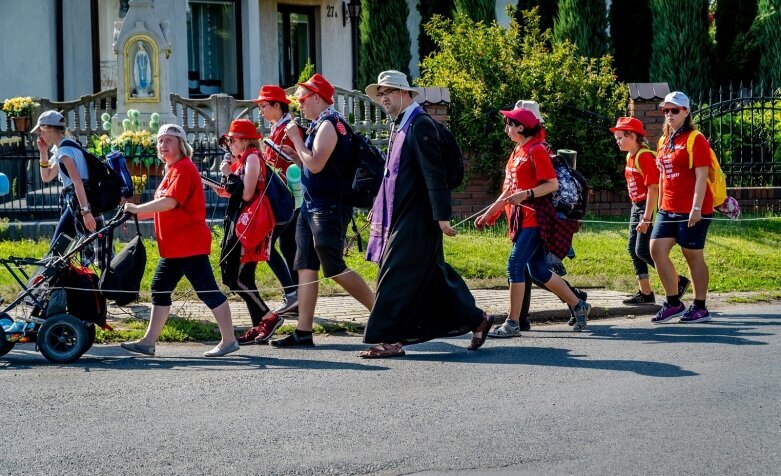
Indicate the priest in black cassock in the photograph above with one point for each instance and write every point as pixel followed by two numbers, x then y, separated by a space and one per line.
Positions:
pixel 419 296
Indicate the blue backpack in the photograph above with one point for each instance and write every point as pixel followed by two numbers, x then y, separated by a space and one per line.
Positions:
pixel 280 197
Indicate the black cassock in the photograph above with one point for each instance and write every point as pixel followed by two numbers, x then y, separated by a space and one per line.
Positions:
pixel 419 296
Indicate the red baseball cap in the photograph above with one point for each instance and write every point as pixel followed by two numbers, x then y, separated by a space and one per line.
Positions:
pixel 243 129
pixel 630 124
pixel 523 116
pixel 272 93
pixel 320 86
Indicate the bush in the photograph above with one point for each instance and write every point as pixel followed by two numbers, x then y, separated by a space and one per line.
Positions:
pixel 681 46
pixel 427 10
pixel 584 23
pixel 630 35
pixel 488 67
pixel 477 10
pixel 384 41
pixel 767 28
pixel 733 23
pixel 547 10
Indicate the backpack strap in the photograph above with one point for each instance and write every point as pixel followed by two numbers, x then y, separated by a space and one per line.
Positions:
pixel 690 146
pixel 76 145
pixel 637 159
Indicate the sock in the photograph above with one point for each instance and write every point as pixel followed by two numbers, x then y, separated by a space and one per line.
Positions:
pixel 699 303
pixel 511 323
pixel 303 333
pixel 673 301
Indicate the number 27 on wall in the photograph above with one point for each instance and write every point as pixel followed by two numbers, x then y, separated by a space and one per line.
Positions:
pixel 331 12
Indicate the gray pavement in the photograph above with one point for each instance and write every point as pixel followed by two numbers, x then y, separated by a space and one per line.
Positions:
pixel 623 397
pixel 544 307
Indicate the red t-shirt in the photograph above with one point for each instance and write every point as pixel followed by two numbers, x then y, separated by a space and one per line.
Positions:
pixel 640 174
pixel 677 190
pixel 529 165
pixel 279 138
pixel 182 231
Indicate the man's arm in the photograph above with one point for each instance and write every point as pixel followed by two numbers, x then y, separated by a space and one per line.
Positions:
pixel 322 147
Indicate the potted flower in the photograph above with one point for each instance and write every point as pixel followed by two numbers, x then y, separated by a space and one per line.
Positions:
pixel 20 109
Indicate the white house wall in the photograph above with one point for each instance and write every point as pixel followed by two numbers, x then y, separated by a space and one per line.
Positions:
pixel 28 52
pixel 77 48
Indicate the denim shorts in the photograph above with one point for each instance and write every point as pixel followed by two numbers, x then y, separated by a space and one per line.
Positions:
pixel 675 225
pixel 320 235
pixel 196 269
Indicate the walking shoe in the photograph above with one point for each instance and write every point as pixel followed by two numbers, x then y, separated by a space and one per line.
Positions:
pixel 694 315
pixel 683 284
pixel 294 340
pixel 267 327
pixel 289 303
pixel 640 298
pixel 581 312
pixel 507 329
pixel 582 296
pixel 249 336
pixel 220 351
pixel 668 313
pixel 139 348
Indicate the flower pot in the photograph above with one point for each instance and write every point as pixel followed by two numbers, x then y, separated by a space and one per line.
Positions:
pixel 22 123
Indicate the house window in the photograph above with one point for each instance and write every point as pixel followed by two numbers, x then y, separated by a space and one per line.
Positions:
pixel 212 51
pixel 296 27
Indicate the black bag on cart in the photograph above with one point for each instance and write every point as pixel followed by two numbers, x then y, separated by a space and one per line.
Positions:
pixel 121 281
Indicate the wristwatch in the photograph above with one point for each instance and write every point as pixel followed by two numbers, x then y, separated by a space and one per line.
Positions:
pixel 697 208
pixel 85 210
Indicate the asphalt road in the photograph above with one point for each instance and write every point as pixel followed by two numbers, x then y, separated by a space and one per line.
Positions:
pixel 623 398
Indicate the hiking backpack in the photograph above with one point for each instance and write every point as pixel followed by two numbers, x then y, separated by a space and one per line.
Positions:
pixel 116 160
pixel 452 158
pixel 366 167
pixel 104 185
pixel 571 198
pixel 717 179
pixel 281 198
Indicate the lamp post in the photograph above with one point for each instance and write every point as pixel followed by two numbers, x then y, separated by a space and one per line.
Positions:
pixel 352 12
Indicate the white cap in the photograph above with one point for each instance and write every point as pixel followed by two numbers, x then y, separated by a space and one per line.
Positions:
pixel 677 98
pixel 172 130
pixel 533 106
pixel 49 118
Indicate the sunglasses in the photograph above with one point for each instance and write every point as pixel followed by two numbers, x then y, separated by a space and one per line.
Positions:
pixel 387 92
pixel 671 110
pixel 303 98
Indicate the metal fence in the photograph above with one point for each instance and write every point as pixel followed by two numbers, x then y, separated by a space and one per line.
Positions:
pixel 743 125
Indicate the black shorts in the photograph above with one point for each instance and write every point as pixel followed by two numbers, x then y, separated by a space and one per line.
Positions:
pixel 676 225
pixel 196 269
pixel 320 235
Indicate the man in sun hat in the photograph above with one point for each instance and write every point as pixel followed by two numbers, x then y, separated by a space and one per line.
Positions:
pixel 324 156
pixel 419 296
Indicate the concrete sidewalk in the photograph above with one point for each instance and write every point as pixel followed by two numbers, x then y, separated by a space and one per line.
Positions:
pixel 343 308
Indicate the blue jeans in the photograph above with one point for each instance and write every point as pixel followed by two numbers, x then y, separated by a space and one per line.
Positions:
pixel 527 252
pixel 638 243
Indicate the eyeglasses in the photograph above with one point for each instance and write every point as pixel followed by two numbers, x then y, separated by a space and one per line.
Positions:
pixel 511 123
pixel 387 92
pixel 303 98
pixel 671 110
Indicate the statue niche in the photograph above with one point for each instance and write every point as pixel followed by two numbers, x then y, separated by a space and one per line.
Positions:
pixel 141 70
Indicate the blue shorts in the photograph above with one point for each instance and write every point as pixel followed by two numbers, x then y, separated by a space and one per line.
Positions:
pixel 676 225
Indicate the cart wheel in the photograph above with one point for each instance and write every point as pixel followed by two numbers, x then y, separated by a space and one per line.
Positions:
pixel 63 338
pixel 91 330
pixel 5 347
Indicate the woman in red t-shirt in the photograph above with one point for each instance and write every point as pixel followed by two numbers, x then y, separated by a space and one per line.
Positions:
pixel 642 182
pixel 274 107
pixel 244 183
pixel 529 173
pixel 184 239
pixel 685 210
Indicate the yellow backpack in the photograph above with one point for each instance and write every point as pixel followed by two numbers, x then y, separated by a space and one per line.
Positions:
pixel 637 161
pixel 717 179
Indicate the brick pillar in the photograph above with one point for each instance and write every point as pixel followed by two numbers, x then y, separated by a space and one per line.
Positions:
pixel 435 102
pixel 644 101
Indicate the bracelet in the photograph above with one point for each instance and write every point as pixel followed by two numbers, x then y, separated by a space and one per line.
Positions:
pixel 530 193
pixel 697 208
pixel 85 211
pixel 43 165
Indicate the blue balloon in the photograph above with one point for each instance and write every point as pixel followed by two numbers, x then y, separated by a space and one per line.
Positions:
pixel 5 186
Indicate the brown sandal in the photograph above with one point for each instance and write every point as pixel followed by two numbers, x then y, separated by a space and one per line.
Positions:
pixel 483 328
pixel 383 351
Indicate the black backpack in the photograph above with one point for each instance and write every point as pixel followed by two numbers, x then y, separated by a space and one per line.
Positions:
pixel 282 203
pixel 121 281
pixel 104 186
pixel 366 168
pixel 452 158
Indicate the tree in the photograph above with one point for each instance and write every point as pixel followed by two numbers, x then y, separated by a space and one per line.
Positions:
pixel 488 67
pixel 584 23
pixel 477 10
pixel 384 39
pixel 735 59
pixel 681 45
pixel 428 9
pixel 767 29
pixel 545 8
pixel 631 35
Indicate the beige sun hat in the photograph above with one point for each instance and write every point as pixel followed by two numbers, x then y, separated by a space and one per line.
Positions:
pixel 390 79
pixel 533 106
